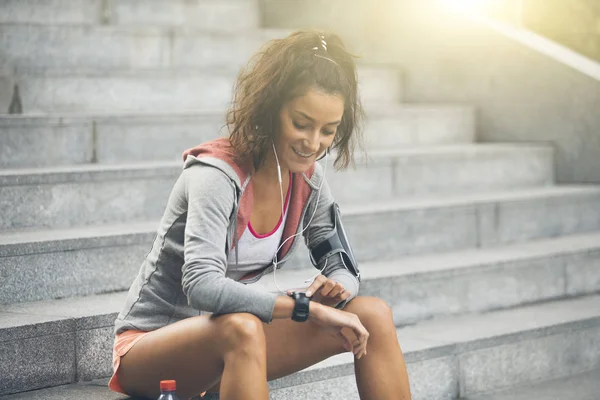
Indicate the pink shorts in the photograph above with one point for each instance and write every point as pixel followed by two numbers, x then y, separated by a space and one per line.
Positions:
pixel 123 342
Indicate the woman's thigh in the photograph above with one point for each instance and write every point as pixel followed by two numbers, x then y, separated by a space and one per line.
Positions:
pixel 293 346
pixel 190 351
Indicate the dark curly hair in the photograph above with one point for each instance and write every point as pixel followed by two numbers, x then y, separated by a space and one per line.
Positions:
pixel 282 70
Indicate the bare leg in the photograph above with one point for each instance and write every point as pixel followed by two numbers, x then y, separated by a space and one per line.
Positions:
pixel 198 352
pixel 381 374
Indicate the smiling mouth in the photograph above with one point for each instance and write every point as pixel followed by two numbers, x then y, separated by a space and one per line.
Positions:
pixel 303 155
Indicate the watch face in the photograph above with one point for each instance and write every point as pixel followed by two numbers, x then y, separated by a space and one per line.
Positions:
pixel 301 307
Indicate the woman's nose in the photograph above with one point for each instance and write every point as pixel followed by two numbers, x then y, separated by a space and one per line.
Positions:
pixel 314 141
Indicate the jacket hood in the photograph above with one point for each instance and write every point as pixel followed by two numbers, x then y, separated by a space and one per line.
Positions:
pixel 219 153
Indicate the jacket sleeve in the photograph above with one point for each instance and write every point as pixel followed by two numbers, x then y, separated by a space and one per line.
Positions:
pixel 322 227
pixel 210 204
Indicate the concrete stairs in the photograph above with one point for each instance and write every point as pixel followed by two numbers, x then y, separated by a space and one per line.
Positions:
pixel 492 270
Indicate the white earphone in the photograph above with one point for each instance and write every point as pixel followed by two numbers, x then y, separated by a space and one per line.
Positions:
pixel 307 225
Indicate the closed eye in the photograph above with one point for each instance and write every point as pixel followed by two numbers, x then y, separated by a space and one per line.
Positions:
pixel 325 132
pixel 298 126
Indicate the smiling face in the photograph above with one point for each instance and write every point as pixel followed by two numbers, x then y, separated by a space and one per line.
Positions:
pixel 308 127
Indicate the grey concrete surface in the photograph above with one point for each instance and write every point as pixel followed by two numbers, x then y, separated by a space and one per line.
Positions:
pixel 417 227
pixel 407 226
pixel 230 15
pixel 585 386
pixel 416 287
pixel 88 201
pixel 106 139
pixel 94 353
pixel 78 272
pixel 531 360
pixel 419 124
pixel 68 196
pixel 554 332
pixel 123 138
pixel 430 380
pixel 95 390
pixel 166 90
pixel 34 46
pixel 172 89
pixel 424 225
pixel 444 169
pixel 37 362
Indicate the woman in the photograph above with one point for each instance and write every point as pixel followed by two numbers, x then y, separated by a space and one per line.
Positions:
pixel 236 211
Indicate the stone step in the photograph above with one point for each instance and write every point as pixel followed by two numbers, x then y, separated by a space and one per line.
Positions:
pixel 64 341
pixel 443 170
pixel 228 15
pixel 105 258
pixel 585 386
pixel 34 47
pixel 474 354
pixel 117 138
pixel 168 90
pixel 67 196
pixel 383 229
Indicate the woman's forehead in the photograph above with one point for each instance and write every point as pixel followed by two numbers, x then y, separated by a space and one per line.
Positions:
pixel 317 105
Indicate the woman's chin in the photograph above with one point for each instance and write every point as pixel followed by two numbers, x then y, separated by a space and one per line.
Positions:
pixel 301 167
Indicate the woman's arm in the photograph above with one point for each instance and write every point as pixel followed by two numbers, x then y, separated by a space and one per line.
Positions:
pixel 210 195
pixel 322 227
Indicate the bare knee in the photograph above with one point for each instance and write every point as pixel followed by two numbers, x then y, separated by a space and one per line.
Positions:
pixel 374 313
pixel 243 331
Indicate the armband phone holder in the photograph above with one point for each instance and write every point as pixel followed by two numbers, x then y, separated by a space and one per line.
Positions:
pixel 337 242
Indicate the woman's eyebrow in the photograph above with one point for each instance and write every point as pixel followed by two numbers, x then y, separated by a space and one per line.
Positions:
pixel 312 120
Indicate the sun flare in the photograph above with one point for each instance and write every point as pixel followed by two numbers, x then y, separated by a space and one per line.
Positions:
pixel 469 5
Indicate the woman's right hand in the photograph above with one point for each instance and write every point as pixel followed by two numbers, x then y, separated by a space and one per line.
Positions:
pixel 334 320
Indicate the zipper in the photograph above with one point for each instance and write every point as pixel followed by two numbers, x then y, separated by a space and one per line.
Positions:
pixel 232 236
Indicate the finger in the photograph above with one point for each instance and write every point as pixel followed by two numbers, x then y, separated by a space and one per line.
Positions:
pixel 361 333
pixel 316 285
pixel 344 295
pixel 337 290
pixel 349 339
pixel 363 346
pixel 328 287
pixel 361 349
pixel 346 343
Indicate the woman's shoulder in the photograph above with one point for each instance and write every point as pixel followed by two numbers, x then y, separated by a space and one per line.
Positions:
pixel 207 173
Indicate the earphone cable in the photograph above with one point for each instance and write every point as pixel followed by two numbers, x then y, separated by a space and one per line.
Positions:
pixel 275 261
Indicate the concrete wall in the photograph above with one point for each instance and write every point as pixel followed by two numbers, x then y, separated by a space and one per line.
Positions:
pixel 573 23
pixel 520 94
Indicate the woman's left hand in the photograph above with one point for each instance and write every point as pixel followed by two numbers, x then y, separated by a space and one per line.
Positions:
pixel 327 291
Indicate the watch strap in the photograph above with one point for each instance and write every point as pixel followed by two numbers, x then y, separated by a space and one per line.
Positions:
pixel 301 308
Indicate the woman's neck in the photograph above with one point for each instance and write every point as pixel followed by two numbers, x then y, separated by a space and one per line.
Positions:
pixel 267 173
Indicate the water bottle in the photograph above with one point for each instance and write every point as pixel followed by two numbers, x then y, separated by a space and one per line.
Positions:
pixel 167 390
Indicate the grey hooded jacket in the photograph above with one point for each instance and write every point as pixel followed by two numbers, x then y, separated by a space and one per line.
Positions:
pixel 184 272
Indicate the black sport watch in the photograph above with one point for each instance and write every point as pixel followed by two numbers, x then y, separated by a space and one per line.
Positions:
pixel 301 308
